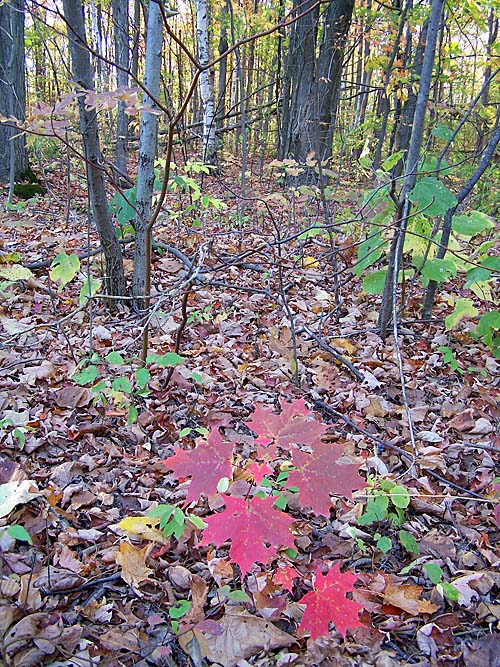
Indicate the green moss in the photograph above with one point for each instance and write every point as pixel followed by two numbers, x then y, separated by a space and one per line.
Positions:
pixel 28 190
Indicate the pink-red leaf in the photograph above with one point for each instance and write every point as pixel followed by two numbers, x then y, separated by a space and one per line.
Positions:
pixel 327 602
pixel 295 425
pixel 207 463
pixel 255 527
pixel 319 474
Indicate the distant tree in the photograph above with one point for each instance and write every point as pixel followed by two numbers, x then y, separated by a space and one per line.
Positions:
pixel 312 79
pixel 120 18
pixel 13 155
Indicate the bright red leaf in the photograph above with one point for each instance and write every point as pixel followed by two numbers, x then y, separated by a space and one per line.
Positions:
pixel 318 474
pixel 207 463
pixel 295 425
pixel 285 575
pixel 255 528
pixel 327 602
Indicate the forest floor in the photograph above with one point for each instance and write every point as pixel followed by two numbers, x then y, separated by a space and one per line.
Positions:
pixel 69 599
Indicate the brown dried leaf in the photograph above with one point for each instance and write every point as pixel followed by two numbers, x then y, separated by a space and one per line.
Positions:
pixel 243 636
pixel 133 563
pixel 407 597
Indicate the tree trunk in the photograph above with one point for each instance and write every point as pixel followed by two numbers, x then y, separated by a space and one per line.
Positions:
pixel 221 86
pixel 120 17
pixel 83 77
pixel 312 83
pixel 206 87
pixel 147 152
pixel 387 309
pixel 14 161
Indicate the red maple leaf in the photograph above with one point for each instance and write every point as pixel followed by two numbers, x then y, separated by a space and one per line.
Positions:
pixel 327 602
pixel 318 474
pixel 294 426
pixel 207 463
pixel 255 528
pixel 285 575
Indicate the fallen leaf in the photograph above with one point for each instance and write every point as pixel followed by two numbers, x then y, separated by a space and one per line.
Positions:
pixel 407 598
pixel 243 636
pixel 327 602
pixel 250 525
pixel 133 563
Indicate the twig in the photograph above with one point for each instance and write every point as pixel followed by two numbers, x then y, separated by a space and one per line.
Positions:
pixel 324 346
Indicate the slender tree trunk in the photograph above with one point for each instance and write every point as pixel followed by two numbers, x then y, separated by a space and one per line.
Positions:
pixel 147 152
pixel 120 17
pixel 206 87
pixel 221 86
pixel 83 77
pixel 461 196
pixel 395 256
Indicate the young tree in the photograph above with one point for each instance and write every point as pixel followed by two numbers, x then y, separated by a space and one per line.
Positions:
pixel 14 163
pixel 387 309
pixel 147 152
pixel 83 77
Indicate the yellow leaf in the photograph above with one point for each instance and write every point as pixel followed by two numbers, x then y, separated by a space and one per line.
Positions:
pixel 310 262
pixel 133 563
pixel 143 526
pixel 15 272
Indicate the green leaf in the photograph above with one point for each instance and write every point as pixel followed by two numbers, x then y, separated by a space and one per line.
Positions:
pixel 142 377
pixel 472 224
pixel 376 510
pixel 464 308
pixel 439 270
pixel 432 197
pixel 280 503
pixel 452 593
pixel 87 375
pixel 442 132
pixel 132 415
pixel 184 432
pixel 124 210
pixel 408 542
pixel 369 252
pixel 64 269
pixel 373 283
pixel 239 596
pixel 169 359
pixel 180 610
pixel 115 359
pixel 196 521
pixel 400 496
pixel 488 322
pixel 434 572
pixel 291 553
pixel 19 533
pixel 476 275
pixel 391 161
pixel 14 272
pixel 89 288
pixel 122 384
pixel 223 485
pixel 384 544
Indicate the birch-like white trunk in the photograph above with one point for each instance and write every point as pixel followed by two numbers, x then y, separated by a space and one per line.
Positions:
pixel 206 87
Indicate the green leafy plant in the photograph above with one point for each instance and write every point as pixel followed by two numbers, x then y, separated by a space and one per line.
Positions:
pixel 114 385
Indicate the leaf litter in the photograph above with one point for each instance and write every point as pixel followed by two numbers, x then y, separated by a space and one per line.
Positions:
pixel 101 583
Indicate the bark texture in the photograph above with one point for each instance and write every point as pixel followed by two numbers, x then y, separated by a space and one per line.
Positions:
pixel 83 77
